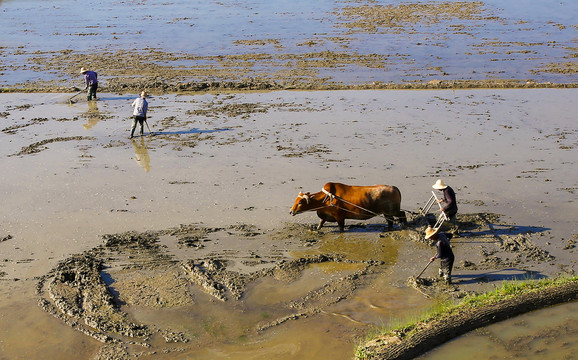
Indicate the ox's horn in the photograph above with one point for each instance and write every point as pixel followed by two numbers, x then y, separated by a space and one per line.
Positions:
pixel 306 197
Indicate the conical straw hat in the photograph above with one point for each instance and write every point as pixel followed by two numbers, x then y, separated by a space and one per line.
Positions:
pixel 439 185
pixel 429 232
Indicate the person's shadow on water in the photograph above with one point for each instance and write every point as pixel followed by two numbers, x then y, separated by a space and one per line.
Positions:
pixel 191 131
pixel 510 274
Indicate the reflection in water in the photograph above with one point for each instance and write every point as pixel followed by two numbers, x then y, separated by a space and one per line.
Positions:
pixel 141 153
pixel 92 115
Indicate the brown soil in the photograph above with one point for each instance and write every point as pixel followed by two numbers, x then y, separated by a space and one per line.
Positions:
pixel 88 291
pixel 99 291
pixel 141 273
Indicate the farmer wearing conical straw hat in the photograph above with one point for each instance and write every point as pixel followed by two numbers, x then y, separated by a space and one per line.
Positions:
pixel 449 204
pixel 91 80
pixel 444 252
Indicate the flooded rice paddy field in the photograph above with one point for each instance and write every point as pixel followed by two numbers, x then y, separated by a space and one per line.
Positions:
pixel 179 244
pixel 191 45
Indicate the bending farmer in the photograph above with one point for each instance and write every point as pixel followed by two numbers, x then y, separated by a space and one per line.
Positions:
pixel 141 106
pixel 91 80
pixel 444 252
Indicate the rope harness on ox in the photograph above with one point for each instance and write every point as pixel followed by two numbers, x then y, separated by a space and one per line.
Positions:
pixel 332 202
pixel 306 197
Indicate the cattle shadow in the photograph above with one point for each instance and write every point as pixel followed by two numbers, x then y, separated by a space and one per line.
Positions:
pixel 510 274
pixel 364 228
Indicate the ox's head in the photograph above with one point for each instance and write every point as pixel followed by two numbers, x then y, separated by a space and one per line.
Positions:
pixel 301 203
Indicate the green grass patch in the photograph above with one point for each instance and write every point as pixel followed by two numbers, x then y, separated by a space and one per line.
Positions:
pixel 444 309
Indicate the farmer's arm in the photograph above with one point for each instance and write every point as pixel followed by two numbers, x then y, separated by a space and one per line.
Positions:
pixel 438 254
pixel 449 199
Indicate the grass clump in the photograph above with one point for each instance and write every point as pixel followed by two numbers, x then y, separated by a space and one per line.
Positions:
pixel 510 289
pixel 444 310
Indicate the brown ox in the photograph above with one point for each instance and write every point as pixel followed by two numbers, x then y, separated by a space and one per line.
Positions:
pixel 337 202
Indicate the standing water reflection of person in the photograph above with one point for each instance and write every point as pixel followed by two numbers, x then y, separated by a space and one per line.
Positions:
pixel 141 154
pixel 92 115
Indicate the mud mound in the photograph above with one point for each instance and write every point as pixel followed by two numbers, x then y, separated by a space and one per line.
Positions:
pixel 214 279
pixel 135 270
pixel 436 288
pixel 80 296
pixel 138 271
pixel 524 246
pixel 40 145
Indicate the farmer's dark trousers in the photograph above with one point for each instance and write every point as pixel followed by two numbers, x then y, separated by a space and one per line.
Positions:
pixel 140 120
pixel 91 95
pixel 446 266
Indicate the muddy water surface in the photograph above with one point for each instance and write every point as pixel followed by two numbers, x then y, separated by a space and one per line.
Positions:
pixel 202 205
pixel 179 244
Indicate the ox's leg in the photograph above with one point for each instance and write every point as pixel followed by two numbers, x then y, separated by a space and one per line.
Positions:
pixel 341 224
pixel 390 223
pixel 402 217
pixel 321 222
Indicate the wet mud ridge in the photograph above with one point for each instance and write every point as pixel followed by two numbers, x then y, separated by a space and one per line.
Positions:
pixel 97 292
pixel 90 291
pixel 41 145
pixel 80 298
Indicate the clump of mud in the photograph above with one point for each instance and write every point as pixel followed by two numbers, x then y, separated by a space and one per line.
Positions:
pixel 214 279
pixel 306 234
pixel 403 18
pixel 436 288
pixel 80 297
pixel 40 145
pixel 89 291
